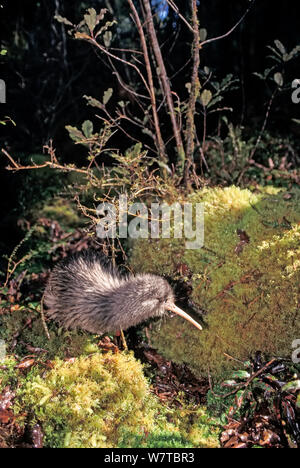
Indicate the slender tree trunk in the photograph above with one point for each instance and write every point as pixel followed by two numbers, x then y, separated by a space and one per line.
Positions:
pixel 195 87
pixel 166 88
pixel 159 140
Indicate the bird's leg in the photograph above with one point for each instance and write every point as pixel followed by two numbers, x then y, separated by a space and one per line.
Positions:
pixel 43 318
pixel 120 334
pixel 123 340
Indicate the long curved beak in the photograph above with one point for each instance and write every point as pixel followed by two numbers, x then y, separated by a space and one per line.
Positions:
pixel 173 308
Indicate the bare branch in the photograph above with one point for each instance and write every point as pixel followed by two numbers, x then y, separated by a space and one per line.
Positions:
pixel 176 9
pixel 52 164
pixel 166 88
pixel 195 87
pixel 232 29
pixel 159 140
pixel 107 52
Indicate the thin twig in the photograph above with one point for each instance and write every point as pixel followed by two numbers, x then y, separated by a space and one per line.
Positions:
pixel 43 318
pixel 195 87
pixel 207 41
pixel 165 82
pixel 159 140
pixel 176 10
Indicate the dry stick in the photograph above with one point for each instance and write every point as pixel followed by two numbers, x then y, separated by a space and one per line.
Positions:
pixel 242 385
pixel 251 161
pixel 160 143
pixel 264 124
pixel 123 340
pixel 10 271
pixel 106 51
pixel 213 39
pixel 18 333
pixel 176 10
pixel 195 87
pixel 43 318
pixel 128 89
pixel 166 88
pixel 51 164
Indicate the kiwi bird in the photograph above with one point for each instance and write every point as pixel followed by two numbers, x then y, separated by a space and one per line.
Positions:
pixel 85 291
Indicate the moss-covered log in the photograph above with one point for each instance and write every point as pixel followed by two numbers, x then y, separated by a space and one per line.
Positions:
pixel 246 278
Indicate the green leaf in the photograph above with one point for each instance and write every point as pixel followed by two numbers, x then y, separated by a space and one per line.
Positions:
pixel 278 78
pixel 104 28
pixel 188 87
pixel 121 104
pixel 63 20
pixel 275 52
pixel 215 100
pixel 294 53
pixel 239 398
pixel 134 151
pixel 3 52
pixel 91 19
pixel 107 95
pixel 259 75
pixel 93 102
pixel 203 34
pixel 102 13
pixel 280 46
pixel 206 97
pixel 291 386
pixel 74 133
pixel 8 119
pixel 229 383
pixel 107 37
pixel 148 132
pixel 224 419
pixel 87 128
pixel 241 374
pixel 160 164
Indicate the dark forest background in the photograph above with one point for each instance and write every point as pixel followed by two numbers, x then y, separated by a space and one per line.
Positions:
pixel 47 72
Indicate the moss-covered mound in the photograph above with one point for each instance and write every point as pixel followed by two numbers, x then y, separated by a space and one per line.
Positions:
pixel 25 323
pixel 246 278
pixel 102 400
pixel 91 402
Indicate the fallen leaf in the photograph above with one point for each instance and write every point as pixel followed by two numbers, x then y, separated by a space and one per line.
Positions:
pixel 5 416
pixel 25 364
pixel 244 239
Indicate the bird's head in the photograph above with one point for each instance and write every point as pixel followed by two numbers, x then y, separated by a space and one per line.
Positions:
pixel 157 298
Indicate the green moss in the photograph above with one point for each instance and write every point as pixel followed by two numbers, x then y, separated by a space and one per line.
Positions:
pixel 104 400
pixel 161 257
pixel 251 298
pixel 83 403
pixel 83 398
pixel 63 211
pixel 63 343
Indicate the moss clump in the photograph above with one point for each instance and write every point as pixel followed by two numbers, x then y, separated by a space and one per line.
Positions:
pixel 63 211
pixel 85 403
pixel 104 400
pixel 251 296
pixel 83 398
pixel 26 324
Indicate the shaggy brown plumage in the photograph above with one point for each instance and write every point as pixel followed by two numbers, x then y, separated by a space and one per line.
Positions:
pixel 85 291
